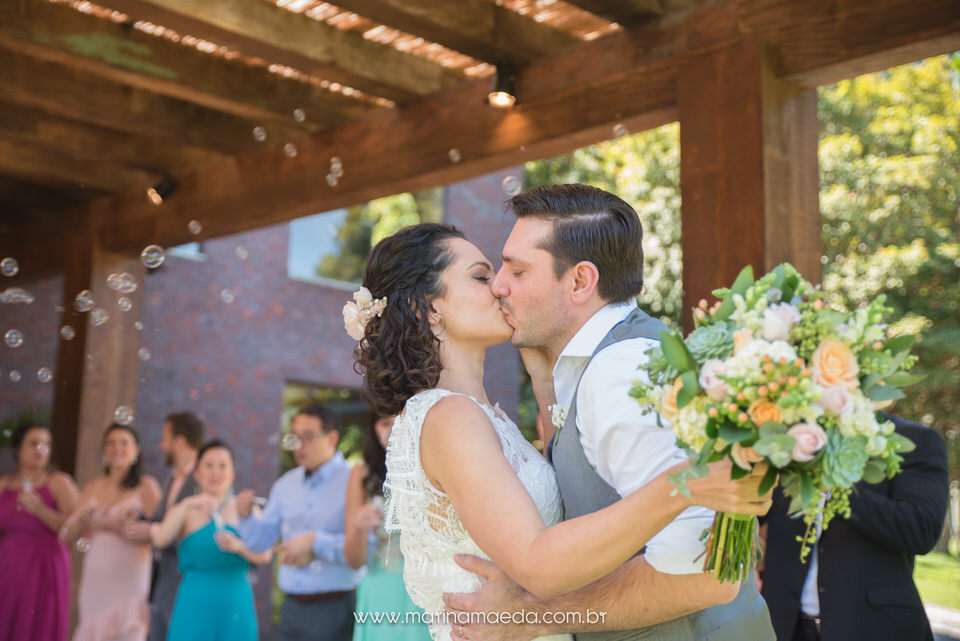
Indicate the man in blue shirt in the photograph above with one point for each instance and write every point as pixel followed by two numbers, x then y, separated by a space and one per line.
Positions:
pixel 306 512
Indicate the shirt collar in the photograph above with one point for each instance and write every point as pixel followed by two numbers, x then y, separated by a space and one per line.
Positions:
pixel 585 341
pixel 322 472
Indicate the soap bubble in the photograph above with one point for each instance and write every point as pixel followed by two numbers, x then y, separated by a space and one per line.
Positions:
pixel 13 338
pixel 512 185
pixel 9 267
pixel 83 302
pixel 152 256
pixel 123 415
pixel 98 317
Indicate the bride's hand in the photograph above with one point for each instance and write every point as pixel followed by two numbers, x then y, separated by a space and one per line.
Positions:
pixel 538 363
pixel 721 494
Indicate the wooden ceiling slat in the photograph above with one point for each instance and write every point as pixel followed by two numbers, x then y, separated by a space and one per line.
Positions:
pixel 22 199
pixel 260 29
pixel 476 28
pixel 82 96
pixel 152 153
pixel 566 100
pixel 625 12
pixel 57 33
pixel 35 163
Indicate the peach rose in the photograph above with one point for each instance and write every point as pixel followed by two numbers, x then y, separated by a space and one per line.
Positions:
pixel 740 339
pixel 833 363
pixel 810 439
pixel 744 457
pixel 837 400
pixel 668 404
pixel 762 411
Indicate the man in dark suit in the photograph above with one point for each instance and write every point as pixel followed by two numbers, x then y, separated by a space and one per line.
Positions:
pixel 182 438
pixel 858 581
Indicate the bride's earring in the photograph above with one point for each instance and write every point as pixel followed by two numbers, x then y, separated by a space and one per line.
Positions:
pixel 435 317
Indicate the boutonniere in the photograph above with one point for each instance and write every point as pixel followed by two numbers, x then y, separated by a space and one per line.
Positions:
pixel 558 415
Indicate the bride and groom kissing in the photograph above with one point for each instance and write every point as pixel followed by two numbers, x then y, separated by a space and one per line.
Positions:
pixel 487 524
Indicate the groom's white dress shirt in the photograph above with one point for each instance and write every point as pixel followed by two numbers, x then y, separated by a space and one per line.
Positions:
pixel 620 438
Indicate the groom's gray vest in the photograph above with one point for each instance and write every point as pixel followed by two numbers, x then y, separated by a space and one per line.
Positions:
pixel 583 491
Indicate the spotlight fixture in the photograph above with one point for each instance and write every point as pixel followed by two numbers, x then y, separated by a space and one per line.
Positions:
pixel 503 94
pixel 161 190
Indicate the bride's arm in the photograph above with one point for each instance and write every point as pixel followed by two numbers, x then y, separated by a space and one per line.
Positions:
pixel 462 455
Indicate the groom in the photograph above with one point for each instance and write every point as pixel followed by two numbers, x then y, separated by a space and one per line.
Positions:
pixel 572 269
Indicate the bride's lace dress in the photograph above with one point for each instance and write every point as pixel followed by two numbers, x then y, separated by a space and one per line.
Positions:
pixel 432 533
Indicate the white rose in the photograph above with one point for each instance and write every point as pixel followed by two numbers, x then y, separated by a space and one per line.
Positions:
pixel 363 297
pixel 777 321
pixel 351 321
pixel 836 399
pixel 710 380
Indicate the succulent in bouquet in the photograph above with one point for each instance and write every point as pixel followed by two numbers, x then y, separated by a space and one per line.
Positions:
pixel 773 374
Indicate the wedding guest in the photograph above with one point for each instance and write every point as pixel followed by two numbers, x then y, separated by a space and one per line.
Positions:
pixel 181 438
pixel 381 589
pixel 115 579
pixel 305 511
pixel 857 583
pixel 34 503
pixel 214 601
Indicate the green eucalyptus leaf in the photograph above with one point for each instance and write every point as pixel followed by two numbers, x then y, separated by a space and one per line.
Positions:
pixel 884 393
pixel 874 472
pixel 900 343
pixel 901 443
pixel 689 390
pixel 733 433
pixel 902 379
pixel 676 352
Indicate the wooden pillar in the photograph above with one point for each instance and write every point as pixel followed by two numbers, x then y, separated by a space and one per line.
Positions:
pixel 748 170
pixel 97 370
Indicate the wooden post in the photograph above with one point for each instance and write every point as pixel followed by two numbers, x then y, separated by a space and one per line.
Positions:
pixel 97 370
pixel 748 170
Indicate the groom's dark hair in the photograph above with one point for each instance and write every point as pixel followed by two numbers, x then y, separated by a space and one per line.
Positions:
pixel 593 225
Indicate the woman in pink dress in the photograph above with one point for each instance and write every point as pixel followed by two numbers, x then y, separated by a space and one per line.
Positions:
pixel 34 502
pixel 115 580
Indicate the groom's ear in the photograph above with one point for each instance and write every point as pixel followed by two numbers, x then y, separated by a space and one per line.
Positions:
pixel 585 278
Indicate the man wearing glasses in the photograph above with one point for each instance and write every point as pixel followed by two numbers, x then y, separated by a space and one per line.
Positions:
pixel 305 511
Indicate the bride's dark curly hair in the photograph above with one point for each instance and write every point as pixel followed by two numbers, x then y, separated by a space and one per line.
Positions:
pixel 399 354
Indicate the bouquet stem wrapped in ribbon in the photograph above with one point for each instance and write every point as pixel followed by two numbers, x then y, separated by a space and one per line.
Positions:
pixel 772 374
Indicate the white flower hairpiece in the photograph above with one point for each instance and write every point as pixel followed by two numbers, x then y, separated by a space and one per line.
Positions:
pixel 358 312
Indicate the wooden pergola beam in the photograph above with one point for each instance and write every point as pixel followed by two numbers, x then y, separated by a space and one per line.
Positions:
pixel 33 126
pixel 59 34
pixel 625 12
pixel 566 101
pixel 41 165
pixel 83 96
pixel 481 30
pixel 260 29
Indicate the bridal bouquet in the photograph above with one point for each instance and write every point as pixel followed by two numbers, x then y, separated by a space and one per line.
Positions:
pixel 772 373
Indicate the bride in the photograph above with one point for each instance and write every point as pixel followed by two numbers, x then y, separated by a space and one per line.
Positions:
pixel 461 479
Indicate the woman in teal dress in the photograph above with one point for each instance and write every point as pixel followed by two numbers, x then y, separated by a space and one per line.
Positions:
pixel 382 589
pixel 215 600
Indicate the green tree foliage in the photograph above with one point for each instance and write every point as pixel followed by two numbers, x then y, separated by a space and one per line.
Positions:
pixel 644 170
pixel 890 182
pixel 367 224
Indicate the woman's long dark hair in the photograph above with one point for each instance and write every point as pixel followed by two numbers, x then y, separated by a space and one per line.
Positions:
pixel 399 354
pixel 135 473
pixel 375 458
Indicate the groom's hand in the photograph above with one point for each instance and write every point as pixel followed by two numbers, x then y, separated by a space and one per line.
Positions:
pixel 498 594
